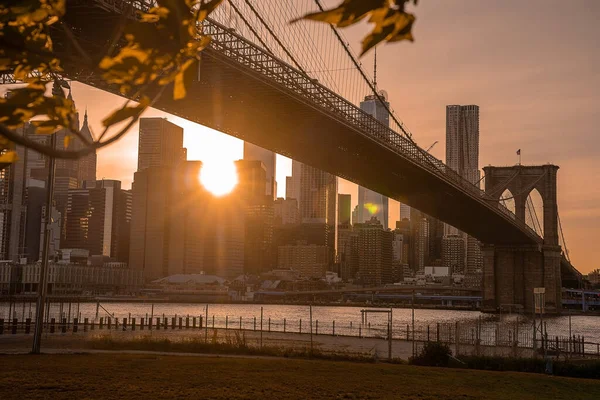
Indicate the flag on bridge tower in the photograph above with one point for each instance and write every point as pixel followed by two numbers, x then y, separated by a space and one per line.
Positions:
pixel 519 154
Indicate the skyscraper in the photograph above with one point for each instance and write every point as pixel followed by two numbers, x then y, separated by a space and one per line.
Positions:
pixel 12 200
pixel 86 170
pixel 294 190
pixel 370 203
pixel 375 253
pixel 252 176
pixel 344 209
pixel 258 216
pixel 256 153
pixel 318 203
pixel 313 195
pixel 97 218
pixel 160 143
pixel 289 188
pixel 462 140
pixel 453 247
pixel 285 212
pixel 404 211
pixel 462 155
pixel 419 225
pixel 170 218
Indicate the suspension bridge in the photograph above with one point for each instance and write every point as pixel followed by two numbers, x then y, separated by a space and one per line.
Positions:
pixel 294 89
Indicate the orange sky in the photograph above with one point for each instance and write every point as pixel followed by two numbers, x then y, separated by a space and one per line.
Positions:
pixel 533 67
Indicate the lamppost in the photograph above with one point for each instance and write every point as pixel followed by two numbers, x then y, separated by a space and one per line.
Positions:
pixel 43 281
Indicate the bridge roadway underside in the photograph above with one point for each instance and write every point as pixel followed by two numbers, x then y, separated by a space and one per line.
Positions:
pixel 233 99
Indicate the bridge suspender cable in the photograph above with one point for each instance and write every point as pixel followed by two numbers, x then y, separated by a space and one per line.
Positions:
pixel 534 218
pixel 262 42
pixel 367 80
pixel 264 23
pixel 563 236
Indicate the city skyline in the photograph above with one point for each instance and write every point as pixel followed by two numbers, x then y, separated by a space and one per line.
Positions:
pixel 520 89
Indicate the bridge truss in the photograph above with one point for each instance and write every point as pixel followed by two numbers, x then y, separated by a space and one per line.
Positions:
pixel 299 82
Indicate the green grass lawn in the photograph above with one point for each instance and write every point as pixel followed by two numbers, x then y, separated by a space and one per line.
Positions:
pixel 124 376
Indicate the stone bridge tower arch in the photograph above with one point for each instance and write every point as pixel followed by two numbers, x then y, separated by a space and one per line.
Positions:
pixel 511 272
pixel 521 180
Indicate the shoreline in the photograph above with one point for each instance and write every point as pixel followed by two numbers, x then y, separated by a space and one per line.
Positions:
pixel 137 300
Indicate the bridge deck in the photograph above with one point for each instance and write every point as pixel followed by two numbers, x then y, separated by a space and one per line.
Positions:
pixel 245 92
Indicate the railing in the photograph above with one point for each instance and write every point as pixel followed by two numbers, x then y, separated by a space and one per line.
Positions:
pixel 465 337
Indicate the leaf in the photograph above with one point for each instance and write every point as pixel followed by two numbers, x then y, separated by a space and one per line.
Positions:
pixel 46 127
pixel 392 22
pixel 347 13
pixel 154 14
pixel 207 8
pixel 179 82
pixel 126 112
pixel 8 157
pixel 179 87
pixel 390 26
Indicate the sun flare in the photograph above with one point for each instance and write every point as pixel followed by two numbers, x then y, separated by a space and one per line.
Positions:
pixel 219 178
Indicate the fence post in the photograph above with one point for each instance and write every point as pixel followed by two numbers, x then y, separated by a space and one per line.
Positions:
pixel 333 328
pixel 284 325
pixel 311 330
pixel 52 322
pixel 187 322
pixel 64 325
pixel 437 331
pixel 27 325
pixel 14 326
pixel 428 332
pixel 124 324
pixel 157 323
pixel 261 326
pixel 1 326
pixel 85 324
pixel 316 327
pixel 180 322
pixel 173 323
pixel 269 324
pixel 226 322
pixel 255 324
pixel 300 327
pixel 240 323
pixel 407 332
pixel 142 323
pixel 456 334
pixel 193 322
pixel 133 324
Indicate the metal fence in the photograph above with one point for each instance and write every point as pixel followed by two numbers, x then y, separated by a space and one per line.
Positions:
pixel 470 336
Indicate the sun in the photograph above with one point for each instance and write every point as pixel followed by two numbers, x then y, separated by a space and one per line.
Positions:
pixel 219 178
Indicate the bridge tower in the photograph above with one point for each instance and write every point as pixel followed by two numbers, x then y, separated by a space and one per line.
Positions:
pixel 511 272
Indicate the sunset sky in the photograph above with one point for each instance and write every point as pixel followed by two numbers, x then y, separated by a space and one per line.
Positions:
pixel 533 67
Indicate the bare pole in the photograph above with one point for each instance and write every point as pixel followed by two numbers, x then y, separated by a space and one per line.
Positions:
pixel 43 283
pixel 412 303
pixel 390 333
pixel 311 330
